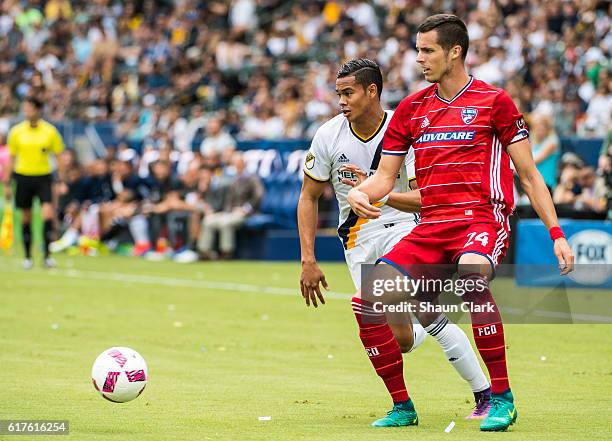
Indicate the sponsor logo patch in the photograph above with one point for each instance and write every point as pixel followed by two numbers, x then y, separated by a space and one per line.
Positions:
pixel 445 136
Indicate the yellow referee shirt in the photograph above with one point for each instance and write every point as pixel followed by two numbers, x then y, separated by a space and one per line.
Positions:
pixel 31 147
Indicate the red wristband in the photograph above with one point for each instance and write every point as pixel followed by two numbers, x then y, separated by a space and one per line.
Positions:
pixel 555 233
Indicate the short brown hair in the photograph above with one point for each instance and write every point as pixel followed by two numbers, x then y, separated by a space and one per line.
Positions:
pixel 451 31
pixel 365 71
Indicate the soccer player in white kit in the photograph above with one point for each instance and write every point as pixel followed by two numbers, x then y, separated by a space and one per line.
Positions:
pixel 343 150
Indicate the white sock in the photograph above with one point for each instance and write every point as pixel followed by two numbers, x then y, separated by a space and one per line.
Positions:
pixel 70 237
pixel 419 335
pixel 459 352
pixel 139 227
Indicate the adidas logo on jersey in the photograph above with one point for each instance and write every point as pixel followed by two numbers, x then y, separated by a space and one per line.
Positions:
pixel 425 123
pixel 343 158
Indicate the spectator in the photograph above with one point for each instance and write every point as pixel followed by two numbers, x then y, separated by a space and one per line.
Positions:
pixel 599 111
pixel 217 140
pixel 568 189
pixel 243 198
pixel 593 193
pixel 546 148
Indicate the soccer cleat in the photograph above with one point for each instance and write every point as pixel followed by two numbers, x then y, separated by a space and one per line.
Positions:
pixel 502 414
pixel 185 256
pixel 141 248
pixel 70 238
pixel 398 417
pixel 27 264
pixel 49 263
pixel 483 405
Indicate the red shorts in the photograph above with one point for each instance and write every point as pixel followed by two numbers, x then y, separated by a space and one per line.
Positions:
pixel 445 242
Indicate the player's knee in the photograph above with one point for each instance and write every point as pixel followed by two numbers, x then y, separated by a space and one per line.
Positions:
pixel 47 211
pixel 472 263
pixel 403 336
pixel 405 347
pixel 26 216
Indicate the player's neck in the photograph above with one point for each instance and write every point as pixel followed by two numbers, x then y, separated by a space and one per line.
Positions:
pixel 33 122
pixel 452 83
pixel 369 123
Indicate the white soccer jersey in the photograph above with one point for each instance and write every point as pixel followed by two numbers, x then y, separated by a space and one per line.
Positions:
pixel 336 144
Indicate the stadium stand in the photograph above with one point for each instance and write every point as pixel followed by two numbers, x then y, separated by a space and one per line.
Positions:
pixel 142 79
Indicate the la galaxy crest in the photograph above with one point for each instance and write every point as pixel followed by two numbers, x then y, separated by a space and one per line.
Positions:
pixel 468 114
pixel 309 162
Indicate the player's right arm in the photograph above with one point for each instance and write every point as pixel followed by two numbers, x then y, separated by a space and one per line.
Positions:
pixel 307 213
pixel 12 145
pixel 317 172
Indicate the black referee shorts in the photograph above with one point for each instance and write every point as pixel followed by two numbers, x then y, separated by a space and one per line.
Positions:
pixel 28 187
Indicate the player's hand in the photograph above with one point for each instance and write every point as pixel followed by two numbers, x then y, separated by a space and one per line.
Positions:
pixel 360 203
pixel 359 173
pixel 564 256
pixel 310 279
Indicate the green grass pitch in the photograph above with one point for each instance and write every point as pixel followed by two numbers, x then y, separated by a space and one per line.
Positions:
pixel 227 343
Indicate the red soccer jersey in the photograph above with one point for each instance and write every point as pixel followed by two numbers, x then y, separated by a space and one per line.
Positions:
pixel 462 165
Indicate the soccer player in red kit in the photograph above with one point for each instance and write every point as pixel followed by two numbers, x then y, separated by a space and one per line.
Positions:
pixel 464 133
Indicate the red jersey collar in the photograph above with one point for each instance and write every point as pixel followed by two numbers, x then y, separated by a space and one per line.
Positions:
pixel 469 83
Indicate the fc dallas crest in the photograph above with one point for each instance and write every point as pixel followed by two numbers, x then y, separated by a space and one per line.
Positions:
pixel 468 114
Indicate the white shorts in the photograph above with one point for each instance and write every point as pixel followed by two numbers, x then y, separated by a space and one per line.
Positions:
pixel 375 246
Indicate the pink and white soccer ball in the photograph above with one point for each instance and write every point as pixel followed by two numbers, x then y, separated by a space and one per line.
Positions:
pixel 119 374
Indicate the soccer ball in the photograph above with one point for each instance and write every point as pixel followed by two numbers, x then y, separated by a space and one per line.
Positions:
pixel 119 374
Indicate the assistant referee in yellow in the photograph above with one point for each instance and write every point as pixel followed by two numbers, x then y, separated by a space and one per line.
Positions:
pixel 31 142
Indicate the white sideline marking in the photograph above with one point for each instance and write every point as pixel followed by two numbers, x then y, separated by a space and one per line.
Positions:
pixel 174 282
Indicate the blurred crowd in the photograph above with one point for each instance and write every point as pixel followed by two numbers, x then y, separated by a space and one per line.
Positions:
pixel 185 80
pixel 110 202
pixel 577 188
pixel 266 68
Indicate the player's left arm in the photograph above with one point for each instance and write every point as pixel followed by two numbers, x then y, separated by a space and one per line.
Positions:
pixel 409 201
pixel 376 188
pixel 535 188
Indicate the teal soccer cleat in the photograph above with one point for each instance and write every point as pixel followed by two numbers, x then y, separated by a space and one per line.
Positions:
pixel 502 414
pixel 402 414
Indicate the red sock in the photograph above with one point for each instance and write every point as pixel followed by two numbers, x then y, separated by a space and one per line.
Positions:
pixel 488 333
pixel 382 348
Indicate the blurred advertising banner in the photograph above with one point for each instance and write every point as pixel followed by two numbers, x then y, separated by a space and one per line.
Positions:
pixel 591 243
